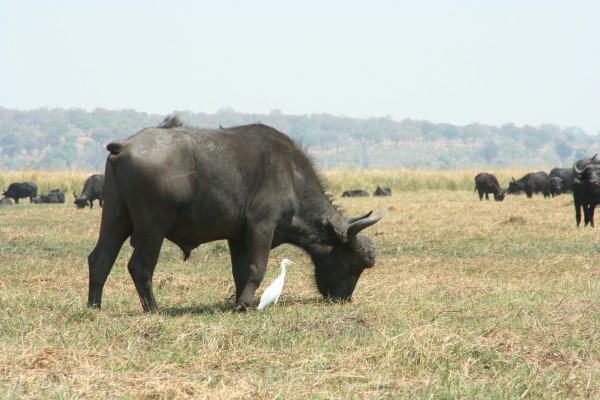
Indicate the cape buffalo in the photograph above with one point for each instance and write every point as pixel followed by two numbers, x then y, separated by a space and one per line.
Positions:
pixel 20 190
pixel 533 182
pixel 487 183
pixel 585 194
pixel 355 193
pixel 564 182
pixel 250 185
pixel 5 201
pixel 55 196
pixel 93 189
pixel 382 191
pixel 556 186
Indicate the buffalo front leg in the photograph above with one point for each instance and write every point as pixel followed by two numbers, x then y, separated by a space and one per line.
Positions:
pixel 141 268
pixel 102 258
pixel 249 263
pixel 586 214
pixel 239 266
pixel 577 212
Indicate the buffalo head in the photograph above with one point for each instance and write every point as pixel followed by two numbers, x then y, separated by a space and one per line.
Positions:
pixel 515 187
pixel 500 195
pixel 556 185
pixel 339 264
pixel 80 202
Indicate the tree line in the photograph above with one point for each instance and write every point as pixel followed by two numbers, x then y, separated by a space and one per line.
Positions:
pixel 75 139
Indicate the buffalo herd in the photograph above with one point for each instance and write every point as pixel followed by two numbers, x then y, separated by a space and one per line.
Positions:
pixel 582 180
pixel 92 190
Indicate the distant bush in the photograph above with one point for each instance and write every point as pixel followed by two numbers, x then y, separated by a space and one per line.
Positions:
pixel 75 139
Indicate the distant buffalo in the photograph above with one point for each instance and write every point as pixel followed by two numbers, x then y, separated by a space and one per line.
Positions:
pixel 93 189
pixel 561 180
pixel 355 193
pixel 21 190
pixel 533 182
pixel 586 188
pixel 556 186
pixel 382 191
pixel 5 201
pixel 486 183
pixel 55 196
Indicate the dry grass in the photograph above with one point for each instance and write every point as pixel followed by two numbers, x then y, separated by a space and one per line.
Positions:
pixel 468 299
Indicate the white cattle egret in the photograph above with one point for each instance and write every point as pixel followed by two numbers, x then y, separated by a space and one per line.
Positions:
pixel 272 293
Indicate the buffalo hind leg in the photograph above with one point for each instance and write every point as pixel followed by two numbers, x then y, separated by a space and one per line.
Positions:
pixel 141 268
pixel 102 258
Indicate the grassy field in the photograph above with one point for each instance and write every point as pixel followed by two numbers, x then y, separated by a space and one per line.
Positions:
pixel 468 299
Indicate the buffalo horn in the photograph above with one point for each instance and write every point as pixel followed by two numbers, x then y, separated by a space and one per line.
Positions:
pixel 361 224
pixel 587 164
pixel 352 220
pixel 580 171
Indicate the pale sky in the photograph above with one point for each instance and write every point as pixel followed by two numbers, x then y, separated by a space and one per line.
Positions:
pixel 459 62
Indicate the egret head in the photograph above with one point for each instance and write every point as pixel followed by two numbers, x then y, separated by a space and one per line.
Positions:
pixel 285 262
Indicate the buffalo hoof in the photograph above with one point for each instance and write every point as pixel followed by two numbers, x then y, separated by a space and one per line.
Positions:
pixel 241 308
pixel 337 300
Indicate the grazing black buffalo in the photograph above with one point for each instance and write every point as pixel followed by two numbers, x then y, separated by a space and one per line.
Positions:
pixel 561 180
pixel 533 182
pixel 93 189
pixel 21 190
pixel 55 196
pixel 382 191
pixel 355 193
pixel 5 201
pixel 486 183
pixel 250 185
pixel 585 185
